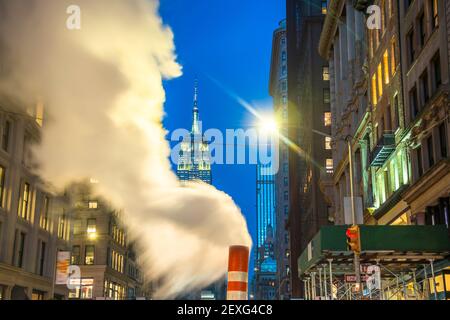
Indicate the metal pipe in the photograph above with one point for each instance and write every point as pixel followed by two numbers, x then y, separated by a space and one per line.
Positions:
pixel 427 284
pixel 331 278
pixel 434 279
pixel 320 283
pixel 313 285
pixel 325 281
pixel 354 222
pixel 415 284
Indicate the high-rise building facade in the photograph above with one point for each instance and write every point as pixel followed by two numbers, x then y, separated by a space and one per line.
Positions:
pixel 266 266
pixel 194 164
pixel 34 224
pixel 389 97
pixel 278 91
pixel 194 158
pixel 100 248
pixel 265 202
pixel 309 125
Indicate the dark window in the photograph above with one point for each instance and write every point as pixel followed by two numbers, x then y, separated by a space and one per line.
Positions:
pixel 430 151
pixel 436 69
pixel 20 253
pixel 42 259
pixel 424 92
pixel 326 95
pixel 2 184
pixel 397 112
pixel 76 252
pixel 6 135
pixel 413 101
pixel 410 46
pixel 422 29
pixel 419 161
pixel 388 125
pixel 408 4
pixel 443 140
pixel 286 181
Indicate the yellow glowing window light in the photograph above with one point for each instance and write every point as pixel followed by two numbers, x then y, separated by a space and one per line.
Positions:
pixel 386 67
pixel 327 119
pixel 393 61
pixel 374 90
pixel 380 80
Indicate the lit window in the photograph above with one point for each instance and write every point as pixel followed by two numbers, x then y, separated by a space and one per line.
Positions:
pixel 329 165
pixel 77 227
pixel 324 7
pixel 434 13
pixel 91 227
pixel 93 205
pixel 393 61
pixel 380 80
pixel 40 113
pixel 327 119
pixel 43 221
pixel 326 73
pixel 328 143
pixel 23 212
pixel 374 90
pixel 90 255
pixel 62 227
pixel 386 67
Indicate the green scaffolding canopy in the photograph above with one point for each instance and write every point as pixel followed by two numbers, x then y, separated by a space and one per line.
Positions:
pixel 399 247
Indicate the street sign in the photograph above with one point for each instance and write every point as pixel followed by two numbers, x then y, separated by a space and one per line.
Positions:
pixel 374 279
pixel 351 278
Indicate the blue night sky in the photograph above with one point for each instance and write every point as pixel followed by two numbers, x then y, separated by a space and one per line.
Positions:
pixel 231 42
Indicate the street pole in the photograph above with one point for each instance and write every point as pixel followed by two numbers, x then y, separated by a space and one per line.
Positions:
pixel 330 261
pixel 354 222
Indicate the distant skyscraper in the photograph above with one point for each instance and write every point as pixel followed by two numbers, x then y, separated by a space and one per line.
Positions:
pixel 194 161
pixel 265 207
pixel 278 91
pixel 194 164
pixel 266 268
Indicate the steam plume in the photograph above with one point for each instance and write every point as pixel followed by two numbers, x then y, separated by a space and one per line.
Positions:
pixel 102 87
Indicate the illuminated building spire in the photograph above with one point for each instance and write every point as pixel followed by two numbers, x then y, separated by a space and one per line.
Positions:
pixel 195 117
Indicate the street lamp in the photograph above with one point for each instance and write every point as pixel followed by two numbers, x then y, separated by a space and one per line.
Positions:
pixel 268 124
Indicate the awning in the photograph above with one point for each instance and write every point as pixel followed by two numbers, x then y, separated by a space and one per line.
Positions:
pixel 399 247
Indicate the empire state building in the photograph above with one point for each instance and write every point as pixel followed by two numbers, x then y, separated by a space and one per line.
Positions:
pixel 194 161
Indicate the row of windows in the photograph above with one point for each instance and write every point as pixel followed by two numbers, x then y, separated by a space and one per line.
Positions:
pixel 383 73
pixel 19 246
pixel 89 255
pixel 418 98
pixel 387 12
pixel 428 152
pixel 117 261
pixel 118 235
pixel 421 30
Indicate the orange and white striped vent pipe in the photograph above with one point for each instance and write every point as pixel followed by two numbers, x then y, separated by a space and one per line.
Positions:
pixel 238 273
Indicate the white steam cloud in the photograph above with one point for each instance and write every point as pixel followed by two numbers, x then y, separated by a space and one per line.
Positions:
pixel 103 94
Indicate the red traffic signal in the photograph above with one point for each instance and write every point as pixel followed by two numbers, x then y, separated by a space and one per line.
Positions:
pixel 353 239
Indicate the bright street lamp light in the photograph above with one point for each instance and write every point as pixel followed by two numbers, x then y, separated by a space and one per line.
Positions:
pixel 268 125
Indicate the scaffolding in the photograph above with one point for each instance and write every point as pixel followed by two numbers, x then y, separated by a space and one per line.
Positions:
pixel 407 259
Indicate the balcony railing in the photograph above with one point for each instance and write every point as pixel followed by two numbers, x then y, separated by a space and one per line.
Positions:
pixel 383 150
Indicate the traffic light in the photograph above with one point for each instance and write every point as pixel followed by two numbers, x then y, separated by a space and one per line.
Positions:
pixel 353 239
